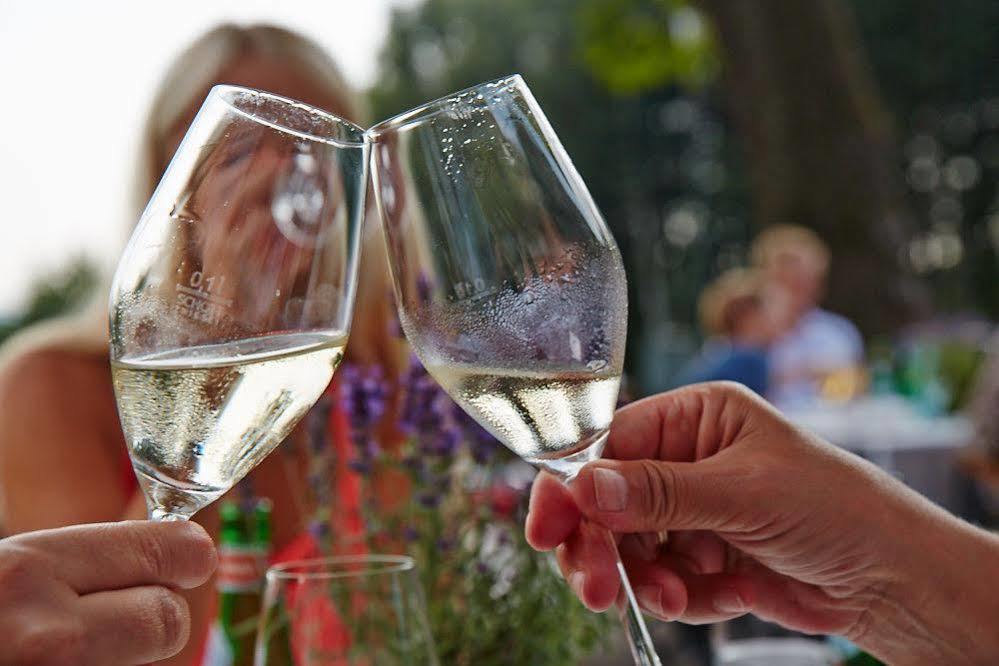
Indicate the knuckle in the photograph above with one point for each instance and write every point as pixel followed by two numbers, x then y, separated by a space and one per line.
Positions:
pixel 17 564
pixel 171 619
pixel 660 489
pixel 153 557
pixel 734 391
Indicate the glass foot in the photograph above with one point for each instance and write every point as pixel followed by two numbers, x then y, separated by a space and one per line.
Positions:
pixel 567 467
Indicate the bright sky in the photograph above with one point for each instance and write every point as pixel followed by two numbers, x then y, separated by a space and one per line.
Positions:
pixel 76 78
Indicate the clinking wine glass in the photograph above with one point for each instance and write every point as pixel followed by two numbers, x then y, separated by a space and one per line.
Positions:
pixel 509 285
pixel 231 304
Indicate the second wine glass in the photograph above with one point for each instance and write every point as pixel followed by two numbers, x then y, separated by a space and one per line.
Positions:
pixel 232 303
pixel 509 285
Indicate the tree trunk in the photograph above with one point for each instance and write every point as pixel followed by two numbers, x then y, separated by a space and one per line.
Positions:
pixel 820 149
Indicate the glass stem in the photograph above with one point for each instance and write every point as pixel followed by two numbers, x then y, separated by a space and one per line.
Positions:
pixel 642 649
pixel 161 516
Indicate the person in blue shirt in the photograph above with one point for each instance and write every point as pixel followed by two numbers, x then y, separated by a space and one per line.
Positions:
pixel 737 317
pixel 814 345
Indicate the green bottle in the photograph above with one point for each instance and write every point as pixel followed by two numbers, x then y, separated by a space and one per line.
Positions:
pixel 242 564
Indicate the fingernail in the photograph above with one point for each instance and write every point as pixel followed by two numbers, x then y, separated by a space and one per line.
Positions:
pixel 729 601
pixel 611 489
pixel 576 581
pixel 651 599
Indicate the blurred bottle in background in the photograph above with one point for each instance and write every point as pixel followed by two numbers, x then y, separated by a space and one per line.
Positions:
pixel 244 549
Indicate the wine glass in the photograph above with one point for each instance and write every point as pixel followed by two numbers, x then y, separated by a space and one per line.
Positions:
pixel 231 304
pixel 351 611
pixel 509 285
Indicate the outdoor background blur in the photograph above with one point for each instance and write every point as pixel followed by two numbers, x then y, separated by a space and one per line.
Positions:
pixel 696 125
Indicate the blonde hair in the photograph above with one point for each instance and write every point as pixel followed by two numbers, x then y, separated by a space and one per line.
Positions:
pixel 182 88
pixel 789 238
pixel 727 297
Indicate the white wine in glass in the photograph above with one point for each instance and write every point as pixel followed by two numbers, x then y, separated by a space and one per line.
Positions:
pixel 231 305
pixel 545 416
pixel 510 287
pixel 234 402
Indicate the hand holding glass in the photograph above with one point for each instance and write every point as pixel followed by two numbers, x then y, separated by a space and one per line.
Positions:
pixel 231 304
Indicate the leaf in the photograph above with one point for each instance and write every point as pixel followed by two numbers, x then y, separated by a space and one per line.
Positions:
pixel 637 45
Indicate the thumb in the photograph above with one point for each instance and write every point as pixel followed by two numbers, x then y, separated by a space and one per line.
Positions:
pixel 651 495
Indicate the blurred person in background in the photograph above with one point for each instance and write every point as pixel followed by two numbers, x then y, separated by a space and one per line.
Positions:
pixel 63 458
pixel 815 345
pixel 740 321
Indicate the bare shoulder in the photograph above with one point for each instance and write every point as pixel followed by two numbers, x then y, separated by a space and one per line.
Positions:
pixel 60 444
pixel 50 386
pixel 51 379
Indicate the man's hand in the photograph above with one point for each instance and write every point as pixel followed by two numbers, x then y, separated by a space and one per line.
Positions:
pixel 722 507
pixel 100 594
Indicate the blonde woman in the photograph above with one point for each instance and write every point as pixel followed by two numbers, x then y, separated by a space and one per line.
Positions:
pixel 62 454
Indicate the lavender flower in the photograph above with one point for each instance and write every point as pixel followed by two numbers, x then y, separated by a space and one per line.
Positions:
pixel 364 394
pixel 319 529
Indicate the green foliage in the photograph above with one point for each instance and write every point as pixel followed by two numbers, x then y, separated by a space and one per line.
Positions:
pixel 53 296
pixel 932 62
pixel 486 585
pixel 636 45
pixel 638 107
pixel 483 583
pixel 445 496
pixel 657 161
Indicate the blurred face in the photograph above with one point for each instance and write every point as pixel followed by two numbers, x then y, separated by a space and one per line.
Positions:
pixel 254 71
pixel 755 326
pixel 248 184
pixel 801 275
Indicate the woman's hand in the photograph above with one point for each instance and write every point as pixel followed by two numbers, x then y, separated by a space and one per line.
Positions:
pixel 100 593
pixel 722 507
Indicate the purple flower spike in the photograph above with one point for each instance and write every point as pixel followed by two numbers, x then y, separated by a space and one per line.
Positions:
pixel 447 442
pixel 371 449
pixel 318 529
pixel 410 533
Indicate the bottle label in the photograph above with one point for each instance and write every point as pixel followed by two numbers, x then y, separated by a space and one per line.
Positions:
pixel 241 568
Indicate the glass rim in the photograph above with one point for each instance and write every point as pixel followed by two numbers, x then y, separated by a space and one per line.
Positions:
pixel 224 90
pixel 326 567
pixel 418 114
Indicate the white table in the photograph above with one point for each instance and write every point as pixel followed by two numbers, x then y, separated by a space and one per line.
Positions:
pixel 891 433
